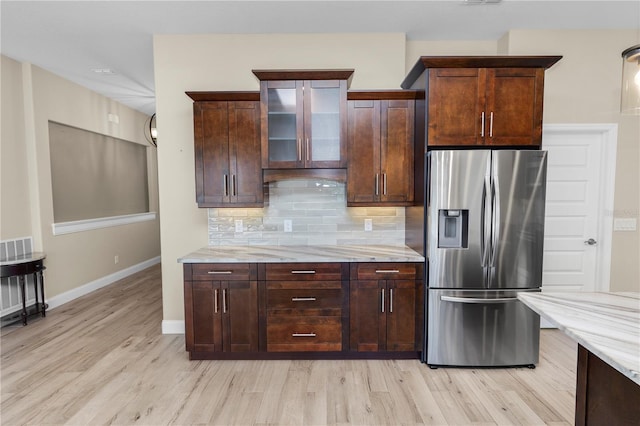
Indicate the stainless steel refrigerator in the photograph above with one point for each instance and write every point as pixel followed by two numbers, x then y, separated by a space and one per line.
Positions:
pixel 484 242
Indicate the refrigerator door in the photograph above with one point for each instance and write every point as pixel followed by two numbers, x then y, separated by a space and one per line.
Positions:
pixel 518 181
pixel 458 218
pixel 477 328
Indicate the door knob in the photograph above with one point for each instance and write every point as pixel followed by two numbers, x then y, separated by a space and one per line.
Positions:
pixel 591 242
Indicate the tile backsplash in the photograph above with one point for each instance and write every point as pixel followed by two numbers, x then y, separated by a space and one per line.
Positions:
pixel 318 213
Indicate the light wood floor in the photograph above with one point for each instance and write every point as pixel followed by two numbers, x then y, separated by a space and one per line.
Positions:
pixel 102 359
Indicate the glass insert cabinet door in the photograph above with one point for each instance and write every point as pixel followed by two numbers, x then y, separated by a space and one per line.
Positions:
pixel 305 124
pixel 284 124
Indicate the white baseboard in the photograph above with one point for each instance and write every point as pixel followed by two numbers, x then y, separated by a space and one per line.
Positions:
pixel 70 295
pixel 172 327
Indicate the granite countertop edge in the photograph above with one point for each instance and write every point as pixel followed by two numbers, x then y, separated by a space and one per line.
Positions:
pixel 302 254
pixel 606 324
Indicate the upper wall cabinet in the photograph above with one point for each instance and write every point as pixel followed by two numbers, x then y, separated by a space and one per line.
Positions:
pixel 482 100
pixel 227 149
pixel 381 148
pixel 303 118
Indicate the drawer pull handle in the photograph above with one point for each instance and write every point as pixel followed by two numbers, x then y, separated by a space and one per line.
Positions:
pixel 387 271
pixel 303 335
pixel 303 299
pixel 219 272
pixel 310 271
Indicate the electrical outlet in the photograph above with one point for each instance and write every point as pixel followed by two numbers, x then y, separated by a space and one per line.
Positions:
pixel 368 224
pixel 239 227
pixel 288 225
pixel 116 259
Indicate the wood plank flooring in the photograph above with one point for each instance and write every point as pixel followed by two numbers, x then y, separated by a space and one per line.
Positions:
pixel 102 359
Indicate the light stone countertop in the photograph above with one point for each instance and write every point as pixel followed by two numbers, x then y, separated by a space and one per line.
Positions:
pixel 607 324
pixel 298 254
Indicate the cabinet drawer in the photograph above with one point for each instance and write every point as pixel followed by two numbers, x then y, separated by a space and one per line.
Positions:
pixel 305 301
pixel 223 271
pixel 384 271
pixel 303 272
pixel 292 334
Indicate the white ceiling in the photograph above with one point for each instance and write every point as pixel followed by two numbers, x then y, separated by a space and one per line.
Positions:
pixel 70 38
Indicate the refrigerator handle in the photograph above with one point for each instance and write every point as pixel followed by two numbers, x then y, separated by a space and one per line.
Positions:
pixel 495 221
pixel 478 299
pixel 485 220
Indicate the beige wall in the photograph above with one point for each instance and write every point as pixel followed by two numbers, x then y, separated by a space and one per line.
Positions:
pixel 582 88
pixel 15 207
pixel 79 258
pixel 417 48
pixel 224 62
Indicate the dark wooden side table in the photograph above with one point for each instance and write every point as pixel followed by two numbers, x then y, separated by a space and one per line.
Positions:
pixel 22 266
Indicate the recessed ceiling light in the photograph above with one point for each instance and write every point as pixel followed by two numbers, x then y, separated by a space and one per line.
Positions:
pixel 474 2
pixel 103 70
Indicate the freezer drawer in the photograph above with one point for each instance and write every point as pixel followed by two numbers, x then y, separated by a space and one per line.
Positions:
pixel 481 328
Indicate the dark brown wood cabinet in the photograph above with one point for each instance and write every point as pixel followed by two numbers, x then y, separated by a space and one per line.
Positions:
pixel 484 106
pixel 227 147
pixel 305 307
pixel 386 307
pixel 380 148
pixel 303 118
pixel 221 308
pixel 303 310
pixel 478 101
pixel 604 396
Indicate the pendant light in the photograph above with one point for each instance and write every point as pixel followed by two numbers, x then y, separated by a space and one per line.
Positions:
pixel 151 131
pixel 630 99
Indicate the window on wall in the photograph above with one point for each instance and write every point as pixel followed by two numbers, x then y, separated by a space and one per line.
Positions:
pixel 96 178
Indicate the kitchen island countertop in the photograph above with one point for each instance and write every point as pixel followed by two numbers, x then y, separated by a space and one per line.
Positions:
pixel 607 324
pixel 299 253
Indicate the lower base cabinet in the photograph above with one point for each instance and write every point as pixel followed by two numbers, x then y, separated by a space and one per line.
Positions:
pixel 386 307
pixel 305 306
pixel 221 302
pixel 305 311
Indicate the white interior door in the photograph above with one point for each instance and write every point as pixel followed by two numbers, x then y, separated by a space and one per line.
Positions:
pixel 578 226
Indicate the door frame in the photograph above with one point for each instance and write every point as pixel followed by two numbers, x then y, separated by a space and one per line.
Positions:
pixel 608 133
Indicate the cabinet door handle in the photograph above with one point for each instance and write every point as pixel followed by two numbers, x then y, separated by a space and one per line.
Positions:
pixel 382 298
pixel 377 184
pixel 491 124
pixel 303 335
pixel 482 125
pixel 226 185
pixel 307 149
pixel 224 301
pixel 387 271
pixel 303 272
pixel 303 299
pixel 220 272
pixel 391 301
pixel 215 301
pixel 384 184
pixel 299 147
pixel 233 185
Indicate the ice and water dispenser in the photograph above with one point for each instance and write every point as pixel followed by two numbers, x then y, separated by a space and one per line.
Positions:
pixel 453 228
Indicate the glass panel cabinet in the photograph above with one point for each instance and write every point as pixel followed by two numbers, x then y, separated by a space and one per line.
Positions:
pixel 325 121
pixel 304 120
pixel 282 123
